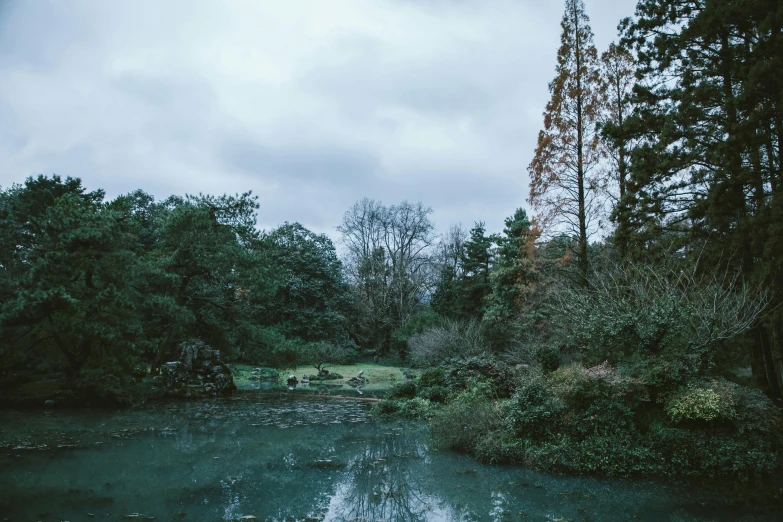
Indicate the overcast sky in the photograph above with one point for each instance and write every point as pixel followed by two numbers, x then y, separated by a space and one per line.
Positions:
pixel 311 104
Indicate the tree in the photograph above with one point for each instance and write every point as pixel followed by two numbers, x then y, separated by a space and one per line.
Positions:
pixel 476 263
pixel 512 278
pixel 69 271
pixel 311 296
pixel 450 254
pixel 389 263
pixel 705 166
pixel 619 77
pixel 564 184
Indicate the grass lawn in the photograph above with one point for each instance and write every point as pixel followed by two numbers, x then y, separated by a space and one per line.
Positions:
pixel 380 378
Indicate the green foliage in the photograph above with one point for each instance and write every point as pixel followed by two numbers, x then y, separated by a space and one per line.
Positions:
pixel 465 420
pixel 512 277
pixel 533 410
pixel 661 324
pixel 548 357
pixel 417 324
pixel 597 420
pixel 404 390
pixel 311 297
pixel 414 408
pixel 96 288
pixel 462 374
pixel 477 261
pixel 437 394
pixel 703 401
pixel 432 377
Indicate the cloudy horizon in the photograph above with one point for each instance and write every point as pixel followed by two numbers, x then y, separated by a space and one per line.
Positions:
pixel 310 105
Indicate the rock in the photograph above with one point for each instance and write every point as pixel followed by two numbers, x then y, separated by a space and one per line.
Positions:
pixel 50 402
pixel 197 372
pixel 248 517
pixel 357 381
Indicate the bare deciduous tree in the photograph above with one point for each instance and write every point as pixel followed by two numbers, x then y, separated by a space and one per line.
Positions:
pixel 389 260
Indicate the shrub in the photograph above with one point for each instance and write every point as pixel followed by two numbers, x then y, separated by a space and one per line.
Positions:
pixel 387 407
pixel 533 409
pixel 548 357
pixel 452 339
pixel 464 421
pixel 460 373
pixel 415 408
pixel 702 401
pixel 664 324
pixel 437 394
pixel 404 390
pixel 415 325
pixel 432 377
pixel 580 387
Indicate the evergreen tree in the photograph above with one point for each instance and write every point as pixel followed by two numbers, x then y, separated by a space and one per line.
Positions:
pixel 513 272
pixel 312 296
pixel 619 76
pixel 475 285
pixel 705 168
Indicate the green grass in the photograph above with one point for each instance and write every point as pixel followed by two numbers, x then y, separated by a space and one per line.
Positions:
pixel 380 378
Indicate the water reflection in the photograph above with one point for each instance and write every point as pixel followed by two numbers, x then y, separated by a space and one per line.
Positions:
pixel 287 457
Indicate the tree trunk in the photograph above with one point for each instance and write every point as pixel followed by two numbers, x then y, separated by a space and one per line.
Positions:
pixel 582 246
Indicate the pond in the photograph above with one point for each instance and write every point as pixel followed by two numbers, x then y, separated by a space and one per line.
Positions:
pixel 288 456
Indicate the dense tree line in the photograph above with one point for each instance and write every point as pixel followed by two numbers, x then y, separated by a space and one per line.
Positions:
pixel 103 290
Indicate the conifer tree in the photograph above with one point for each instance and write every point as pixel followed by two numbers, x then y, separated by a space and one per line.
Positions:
pixel 564 184
pixel 618 78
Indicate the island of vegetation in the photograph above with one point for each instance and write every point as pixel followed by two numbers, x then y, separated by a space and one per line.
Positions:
pixel 654 349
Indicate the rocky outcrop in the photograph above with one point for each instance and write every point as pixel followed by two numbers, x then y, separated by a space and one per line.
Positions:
pixel 358 381
pixel 197 371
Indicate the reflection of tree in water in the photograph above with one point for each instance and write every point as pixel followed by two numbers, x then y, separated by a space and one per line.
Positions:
pixel 387 480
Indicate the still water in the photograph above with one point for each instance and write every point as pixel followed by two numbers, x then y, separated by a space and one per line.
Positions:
pixel 289 457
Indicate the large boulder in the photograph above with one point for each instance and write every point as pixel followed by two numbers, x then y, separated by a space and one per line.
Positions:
pixel 197 371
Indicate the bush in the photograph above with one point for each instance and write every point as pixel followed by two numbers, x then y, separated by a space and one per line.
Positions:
pixel 437 394
pixel 415 325
pixel 432 377
pixel 533 410
pixel 325 377
pixel 387 408
pixel 702 401
pixel 452 339
pixel 461 373
pixel 548 357
pixel 404 390
pixel 466 420
pixel 415 408
pixel 664 324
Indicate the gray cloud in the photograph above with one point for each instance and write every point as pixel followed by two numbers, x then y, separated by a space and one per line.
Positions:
pixel 311 105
